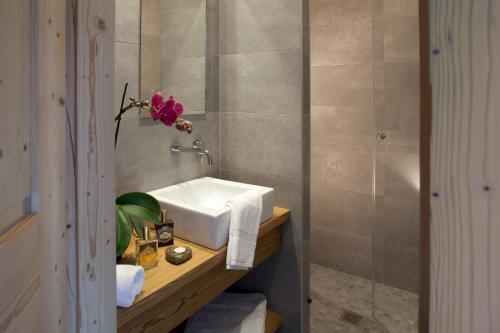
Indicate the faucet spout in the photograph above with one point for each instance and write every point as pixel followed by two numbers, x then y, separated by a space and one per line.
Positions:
pixel 196 148
pixel 210 159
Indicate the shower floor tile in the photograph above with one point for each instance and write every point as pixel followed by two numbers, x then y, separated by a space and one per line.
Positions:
pixel 333 292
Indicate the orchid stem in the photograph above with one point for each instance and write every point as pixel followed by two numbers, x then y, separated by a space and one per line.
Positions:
pixel 119 117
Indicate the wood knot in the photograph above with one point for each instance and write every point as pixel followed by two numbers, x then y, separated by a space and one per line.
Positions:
pixel 100 23
pixel 90 272
pixel 61 101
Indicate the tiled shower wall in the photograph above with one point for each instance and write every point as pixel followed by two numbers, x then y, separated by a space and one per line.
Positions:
pixel 262 97
pixel 365 80
pixel 143 161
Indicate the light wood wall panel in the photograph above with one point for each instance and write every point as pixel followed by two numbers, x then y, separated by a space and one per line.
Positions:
pixel 14 110
pixel 71 226
pixel 465 166
pixel 51 144
pixel 95 194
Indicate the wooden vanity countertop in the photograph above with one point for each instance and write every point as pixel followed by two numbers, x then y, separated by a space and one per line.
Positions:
pixel 182 289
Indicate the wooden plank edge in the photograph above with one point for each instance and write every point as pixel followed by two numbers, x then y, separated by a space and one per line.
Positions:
pixel 18 226
pixel 273 321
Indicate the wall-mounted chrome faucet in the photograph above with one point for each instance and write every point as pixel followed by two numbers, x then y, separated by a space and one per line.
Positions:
pixel 196 148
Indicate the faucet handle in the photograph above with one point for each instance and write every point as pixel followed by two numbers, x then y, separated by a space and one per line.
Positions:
pixel 197 144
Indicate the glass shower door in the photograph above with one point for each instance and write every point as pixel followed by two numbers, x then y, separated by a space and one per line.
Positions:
pixel 396 163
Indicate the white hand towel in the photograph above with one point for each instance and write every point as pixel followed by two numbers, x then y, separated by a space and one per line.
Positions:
pixel 129 282
pixel 230 313
pixel 246 212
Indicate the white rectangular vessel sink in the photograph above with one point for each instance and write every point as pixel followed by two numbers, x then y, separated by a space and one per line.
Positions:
pixel 198 208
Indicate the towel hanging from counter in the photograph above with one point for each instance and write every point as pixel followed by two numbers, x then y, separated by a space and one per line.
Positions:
pixel 246 212
pixel 129 282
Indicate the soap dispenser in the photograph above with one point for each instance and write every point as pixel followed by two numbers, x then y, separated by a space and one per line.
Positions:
pixel 146 251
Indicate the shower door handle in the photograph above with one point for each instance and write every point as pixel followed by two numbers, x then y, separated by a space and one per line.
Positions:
pixel 381 136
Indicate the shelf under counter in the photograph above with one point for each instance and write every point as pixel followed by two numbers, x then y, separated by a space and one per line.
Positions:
pixel 172 293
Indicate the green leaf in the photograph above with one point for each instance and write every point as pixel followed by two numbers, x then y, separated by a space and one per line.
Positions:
pixel 123 231
pixel 141 213
pixel 139 229
pixel 140 199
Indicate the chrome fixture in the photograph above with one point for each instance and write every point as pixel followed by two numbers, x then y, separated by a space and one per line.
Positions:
pixel 196 148
pixel 381 136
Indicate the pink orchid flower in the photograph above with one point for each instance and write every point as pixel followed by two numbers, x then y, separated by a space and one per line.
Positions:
pixel 165 111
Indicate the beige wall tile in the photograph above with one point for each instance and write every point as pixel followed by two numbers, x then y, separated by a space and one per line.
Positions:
pixel 267 144
pixel 168 4
pixel 398 174
pixel 150 17
pixel 343 85
pixel 259 25
pixel 347 40
pixel 127 18
pixel 183 32
pixel 150 52
pixel 341 210
pixel 401 39
pixel 150 83
pixel 402 84
pixel 343 169
pixel 397 266
pixel 400 7
pixel 345 127
pixel 126 70
pixel 267 82
pixel 327 11
pixel 397 220
pixel 342 251
pixel 185 80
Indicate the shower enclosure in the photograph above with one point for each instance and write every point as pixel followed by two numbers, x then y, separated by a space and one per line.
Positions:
pixel 365 165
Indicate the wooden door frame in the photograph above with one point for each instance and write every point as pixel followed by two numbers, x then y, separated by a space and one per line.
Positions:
pixel 425 155
pixel 90 184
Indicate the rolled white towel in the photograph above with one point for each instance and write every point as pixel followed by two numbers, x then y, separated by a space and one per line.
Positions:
pixel 129 282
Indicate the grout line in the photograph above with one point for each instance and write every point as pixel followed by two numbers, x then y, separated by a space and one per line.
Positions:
pixel 263 51
pixel 259 174
pixel 263 113
pixel 129 43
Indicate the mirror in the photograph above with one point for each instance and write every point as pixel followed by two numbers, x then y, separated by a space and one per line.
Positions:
pixel 173 55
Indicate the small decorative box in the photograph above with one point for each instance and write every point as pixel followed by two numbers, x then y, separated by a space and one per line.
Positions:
pixel 178 254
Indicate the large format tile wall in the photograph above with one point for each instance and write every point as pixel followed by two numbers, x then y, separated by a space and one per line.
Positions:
pixel 143 161
pixel 262 116
pixel 364 58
